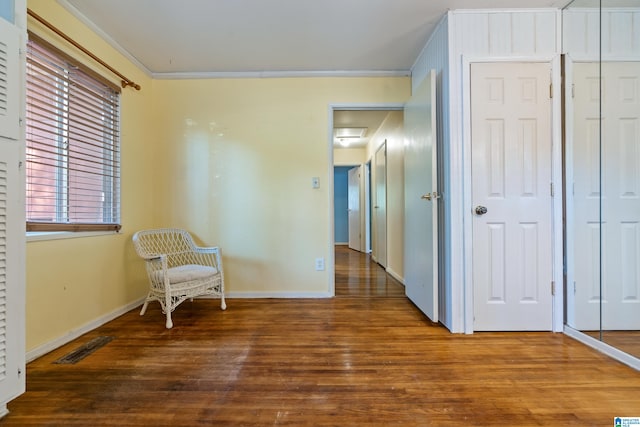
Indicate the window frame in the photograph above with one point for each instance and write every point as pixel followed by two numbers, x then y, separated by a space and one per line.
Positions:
pixel 111 182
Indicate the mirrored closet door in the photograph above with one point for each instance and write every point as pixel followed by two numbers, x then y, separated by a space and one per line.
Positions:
pixel 601 42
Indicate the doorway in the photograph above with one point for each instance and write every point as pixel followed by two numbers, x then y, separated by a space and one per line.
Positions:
pixel 375 130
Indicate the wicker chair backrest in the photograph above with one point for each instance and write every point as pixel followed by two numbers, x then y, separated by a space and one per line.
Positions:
pixel 176 244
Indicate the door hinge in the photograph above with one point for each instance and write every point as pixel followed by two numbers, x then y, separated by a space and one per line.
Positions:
pixel 574 288
pixel 550 90
pixel 553 287
pixel 573 90
pixel 552 192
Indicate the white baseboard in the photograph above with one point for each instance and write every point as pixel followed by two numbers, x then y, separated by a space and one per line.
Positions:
pixel 3 410
pixel 613 352
pixel 395 276
pixel 73 334
pixel 282 295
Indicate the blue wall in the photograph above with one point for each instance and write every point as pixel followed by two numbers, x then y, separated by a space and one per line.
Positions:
pixel 6 10
pixel 341 203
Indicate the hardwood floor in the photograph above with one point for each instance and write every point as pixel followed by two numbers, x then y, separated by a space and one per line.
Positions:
pixel 357 275
pixel 344 361
pixel 627 341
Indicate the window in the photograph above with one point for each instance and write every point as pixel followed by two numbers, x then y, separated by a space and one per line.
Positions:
pixel 73 144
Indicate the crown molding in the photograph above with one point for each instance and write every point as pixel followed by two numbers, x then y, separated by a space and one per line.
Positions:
pixel 278 74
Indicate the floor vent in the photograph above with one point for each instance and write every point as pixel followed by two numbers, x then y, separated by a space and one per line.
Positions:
pixel 80 353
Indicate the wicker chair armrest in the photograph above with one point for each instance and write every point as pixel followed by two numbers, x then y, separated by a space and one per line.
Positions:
pixel 154 258
pixel 212 255
pixel 206 249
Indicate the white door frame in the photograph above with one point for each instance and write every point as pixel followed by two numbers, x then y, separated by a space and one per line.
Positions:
pixel 331 262
pixel 556 178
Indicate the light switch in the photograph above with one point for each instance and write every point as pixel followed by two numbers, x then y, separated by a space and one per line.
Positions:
pixel 315 182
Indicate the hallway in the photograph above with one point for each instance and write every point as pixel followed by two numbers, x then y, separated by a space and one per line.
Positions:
pixel 357 275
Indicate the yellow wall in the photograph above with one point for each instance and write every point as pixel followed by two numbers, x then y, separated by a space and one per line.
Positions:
pixel 231 160
pixel 74 282
pixel 238 156
pixel 349 156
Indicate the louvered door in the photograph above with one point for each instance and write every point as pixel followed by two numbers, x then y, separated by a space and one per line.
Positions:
pixel 12 219
pixel 9 80
pixel 12 345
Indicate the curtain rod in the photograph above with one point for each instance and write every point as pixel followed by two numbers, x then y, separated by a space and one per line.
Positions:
pixel 125 81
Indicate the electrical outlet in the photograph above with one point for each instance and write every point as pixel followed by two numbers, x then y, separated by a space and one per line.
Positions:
pixel 319 264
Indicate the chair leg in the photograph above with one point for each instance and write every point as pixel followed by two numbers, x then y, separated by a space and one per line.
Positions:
pixel 168 307
pixel 144 308
pixel 223 305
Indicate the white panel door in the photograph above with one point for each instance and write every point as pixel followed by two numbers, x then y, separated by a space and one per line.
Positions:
pixel 610 171
pixel 380 206
pixel 354 207
pixel 511 192
pixel 421 198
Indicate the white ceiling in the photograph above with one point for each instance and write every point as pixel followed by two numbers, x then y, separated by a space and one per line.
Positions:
pixel 274 36
pixel 224 38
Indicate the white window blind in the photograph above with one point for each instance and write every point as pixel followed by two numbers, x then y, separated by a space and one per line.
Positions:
pixel 73 145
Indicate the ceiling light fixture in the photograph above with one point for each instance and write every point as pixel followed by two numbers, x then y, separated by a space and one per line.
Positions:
pixel 344 142
pixel 347 132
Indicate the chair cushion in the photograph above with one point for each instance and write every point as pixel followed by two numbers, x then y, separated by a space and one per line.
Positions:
pixel 186 273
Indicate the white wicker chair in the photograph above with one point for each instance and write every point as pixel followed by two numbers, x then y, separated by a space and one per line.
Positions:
pixel 178 269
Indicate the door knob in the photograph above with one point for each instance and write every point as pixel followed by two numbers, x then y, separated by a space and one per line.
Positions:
pixel 426 196
pixel 481 210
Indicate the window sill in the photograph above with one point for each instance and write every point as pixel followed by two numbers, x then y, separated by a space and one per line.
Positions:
pixel 36 236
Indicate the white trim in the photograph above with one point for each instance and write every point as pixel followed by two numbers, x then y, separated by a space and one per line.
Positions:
pixel 331 262
pixel 605 58
pixel 603 347
pixel 395 276
pixel 97 30
pixel 558 197
pixel 481 11
pixel 3 410
pixel 556 177
pixel 456 190
pixel 35 236
pixel 278 74
pixel 357 107
pixel 277 295
pixel 467 228
pixel 76 333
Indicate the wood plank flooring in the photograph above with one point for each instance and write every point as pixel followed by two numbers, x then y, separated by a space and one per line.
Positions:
pixel 627 341
pixel 357 275
pixel 344 361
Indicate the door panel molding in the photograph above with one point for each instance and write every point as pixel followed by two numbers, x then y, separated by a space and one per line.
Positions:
pixel 461 173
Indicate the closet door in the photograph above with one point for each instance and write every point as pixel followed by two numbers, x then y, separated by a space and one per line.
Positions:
pixel 12 310
pixel 9 80
pixel 12 217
